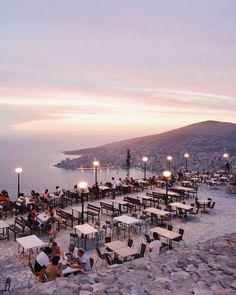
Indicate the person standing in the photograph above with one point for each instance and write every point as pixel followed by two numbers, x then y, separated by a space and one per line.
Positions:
pixel 113 188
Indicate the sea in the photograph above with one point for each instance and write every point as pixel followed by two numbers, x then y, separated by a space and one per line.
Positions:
pixel 37 157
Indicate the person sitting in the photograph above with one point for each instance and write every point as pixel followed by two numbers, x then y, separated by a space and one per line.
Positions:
pixel 46 195
pixel 42 261
pixel 58 191
pixel 4 198
pixel 155 246
pixel 32 218
pixel 83 260
pixel 73 252
pixel 54 269
pixel 55 249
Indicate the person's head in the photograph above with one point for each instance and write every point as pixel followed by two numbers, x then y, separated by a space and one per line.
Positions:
pixel 46 191
pixel 75 187
pixel 48 251
pixel 112 178
pixel 55 260
pixel 155 236
pixel 71 247
pixel 57 187
pixel 54 244
pixel 51 213
pixel 80 252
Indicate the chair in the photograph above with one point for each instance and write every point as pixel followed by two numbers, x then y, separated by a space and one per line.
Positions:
pixel 108 240
pixel 110 261
pixel 148 239
pixel 179 239
pixel 130 243
pixel 141 252
pixel 170 227
pixel 194 213
pixel 100 255
pixel 33 274
pixel 74 239
pixel 91 260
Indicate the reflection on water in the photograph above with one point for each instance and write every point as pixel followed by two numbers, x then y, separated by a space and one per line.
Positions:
pixel 37 159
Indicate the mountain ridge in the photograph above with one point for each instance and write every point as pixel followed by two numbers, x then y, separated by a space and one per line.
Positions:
pixel 205 141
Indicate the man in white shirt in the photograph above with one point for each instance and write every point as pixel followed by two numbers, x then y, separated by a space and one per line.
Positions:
pixel 113 188
pixel 155 246
pixel 73 251
pixel 83 260
pixel 42 261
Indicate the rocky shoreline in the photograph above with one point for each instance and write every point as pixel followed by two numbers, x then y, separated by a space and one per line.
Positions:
pixel 208 268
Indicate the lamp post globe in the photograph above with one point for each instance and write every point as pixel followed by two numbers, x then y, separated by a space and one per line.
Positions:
pixel 96 164
pixel 167 175
pixel 82 185
pixel 145 159
pixel 186 155
pixel 18 171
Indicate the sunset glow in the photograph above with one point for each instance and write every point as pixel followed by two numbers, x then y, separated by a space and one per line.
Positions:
pixel 114 74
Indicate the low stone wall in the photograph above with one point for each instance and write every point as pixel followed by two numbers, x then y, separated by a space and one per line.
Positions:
pixel 206 269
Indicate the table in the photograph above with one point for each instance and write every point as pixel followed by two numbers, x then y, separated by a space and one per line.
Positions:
pixel 182 206
pixel 120 203
pixel 125 252
pixel 42 217
pixel 69 270
pixel 170 235
pixel 155 211
pixel 204 203
pixel 85 229
pixel 5 230
pixel 114 245
pixel 127 220
pixel 28 243
pixel 78 209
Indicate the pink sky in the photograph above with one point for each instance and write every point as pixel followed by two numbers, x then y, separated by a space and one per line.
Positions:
pixel 119 69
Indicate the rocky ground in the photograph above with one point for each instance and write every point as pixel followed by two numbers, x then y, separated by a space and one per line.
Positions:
pixel 209 268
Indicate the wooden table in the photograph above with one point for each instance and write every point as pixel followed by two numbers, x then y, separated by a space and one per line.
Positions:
pixel 127 220
pixel 170 235
pixel 5 230
pixel 125 252
pixel 182 206
pixel 86 229
pixel 114 245
pixel 28 243
pixel 155 211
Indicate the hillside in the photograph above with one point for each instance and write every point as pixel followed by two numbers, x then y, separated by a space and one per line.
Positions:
pixel 205 142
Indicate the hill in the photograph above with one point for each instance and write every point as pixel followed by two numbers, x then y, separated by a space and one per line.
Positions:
pixel 205 142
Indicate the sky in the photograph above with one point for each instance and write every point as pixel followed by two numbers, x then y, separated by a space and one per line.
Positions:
pixel 110 70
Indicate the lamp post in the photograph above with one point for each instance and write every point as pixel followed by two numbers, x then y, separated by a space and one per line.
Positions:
pixel 82 185
pixel 166 175
pixel 96 164
pixel 145 159
pixel 186 161
pixel 227 165
pixel 169 159
pixel 18 171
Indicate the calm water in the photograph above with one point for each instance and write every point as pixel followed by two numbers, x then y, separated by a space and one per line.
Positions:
pixel 37 159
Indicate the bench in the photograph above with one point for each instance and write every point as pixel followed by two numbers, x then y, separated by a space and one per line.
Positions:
pixel 93 212
pixel 18 227
pixel 108 207
pixel 68 218
pixel 134 203
pixel 33 228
